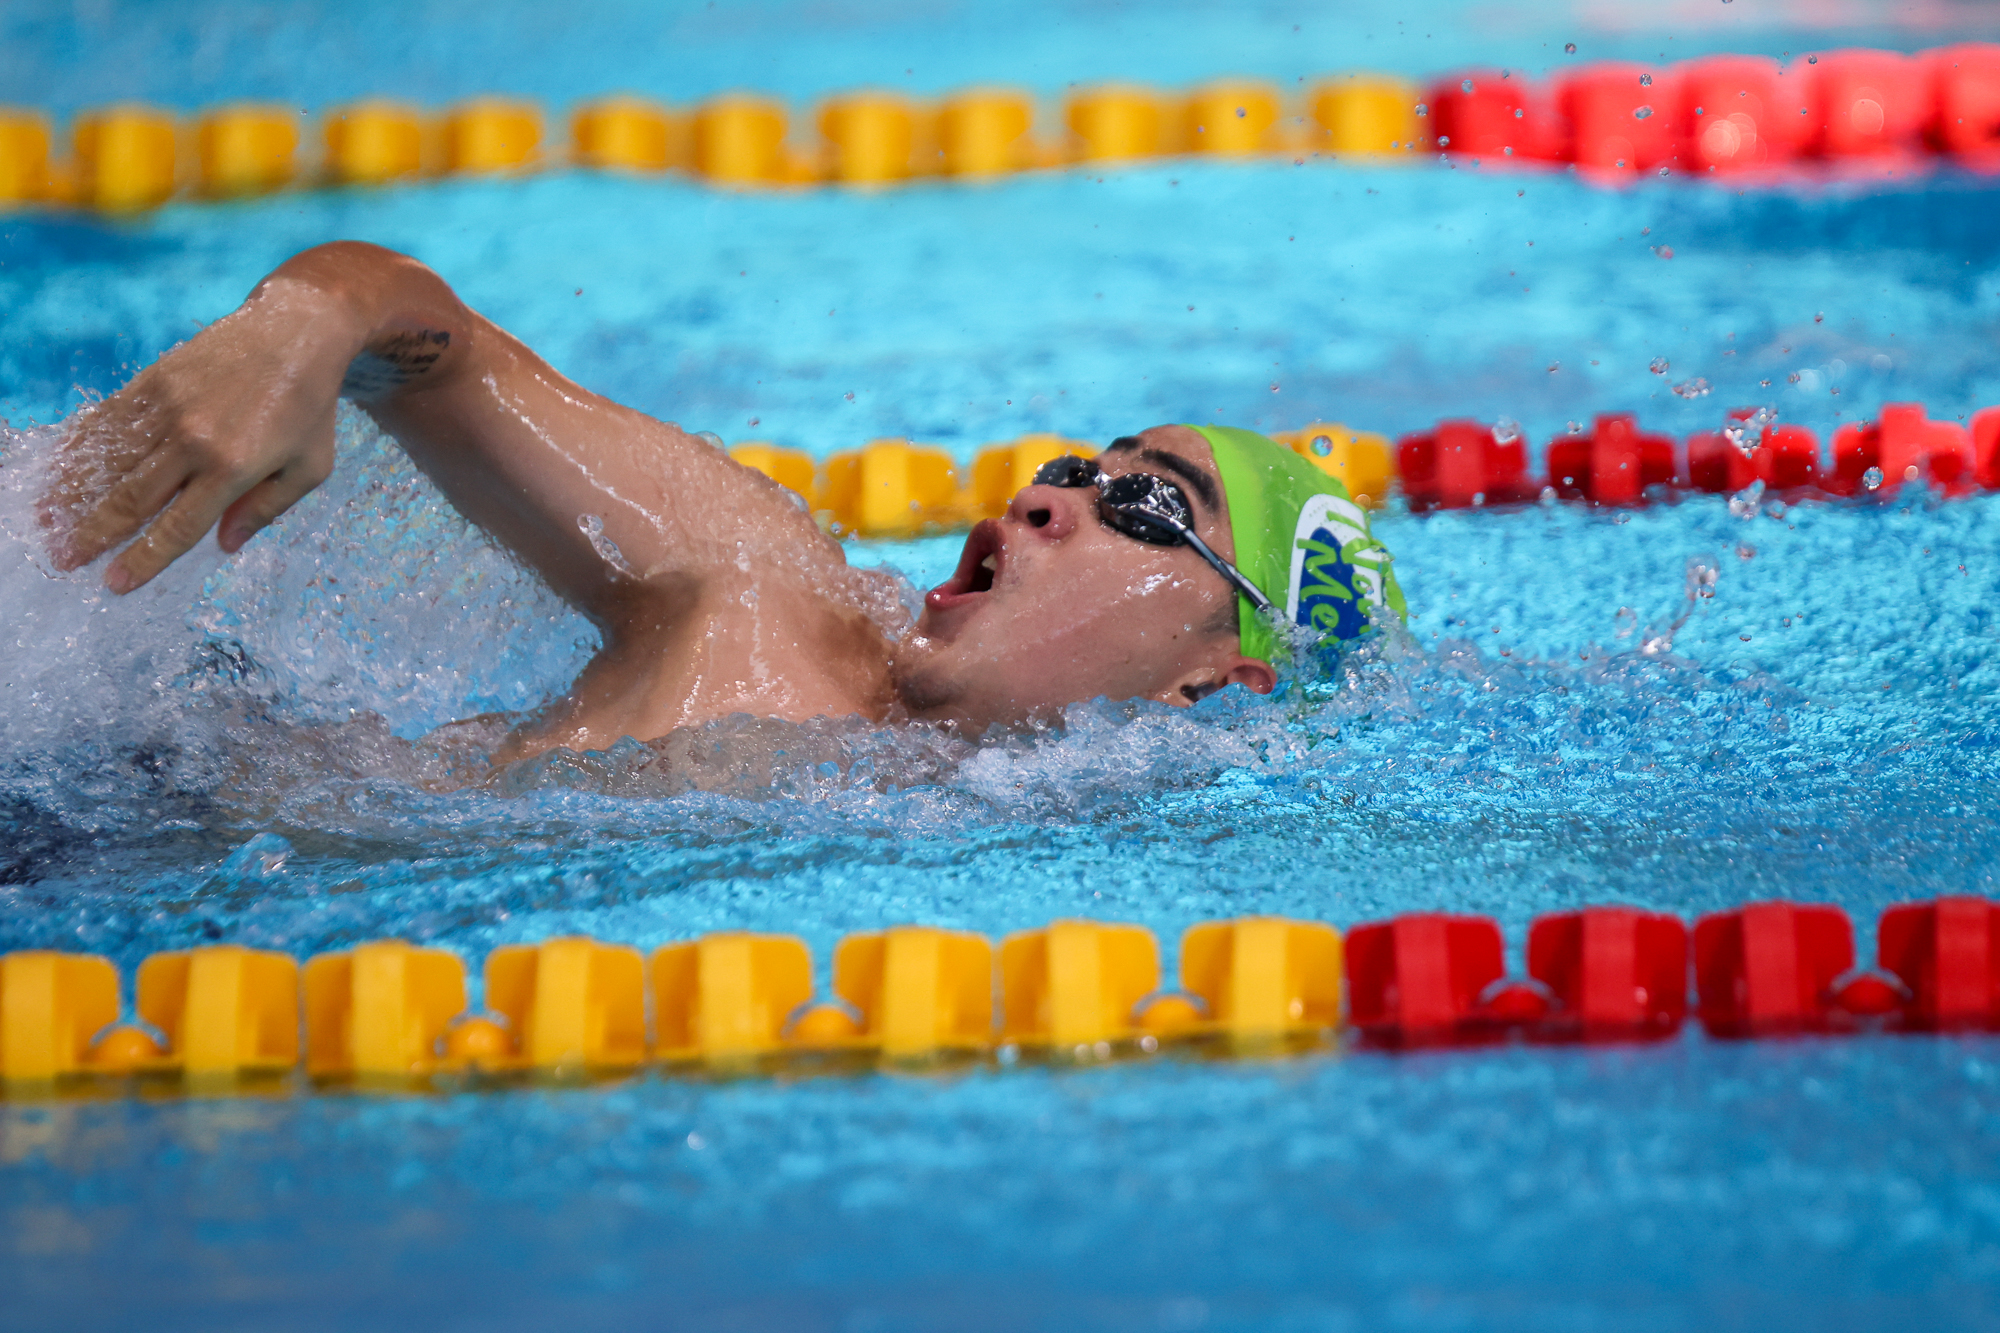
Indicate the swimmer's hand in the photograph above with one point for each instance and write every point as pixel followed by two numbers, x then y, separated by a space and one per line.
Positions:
pixel 234 426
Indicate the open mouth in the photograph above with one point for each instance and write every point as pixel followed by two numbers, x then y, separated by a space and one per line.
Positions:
pixel 979 564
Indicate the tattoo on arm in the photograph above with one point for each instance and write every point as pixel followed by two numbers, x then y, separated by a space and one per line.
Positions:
pixel 392 361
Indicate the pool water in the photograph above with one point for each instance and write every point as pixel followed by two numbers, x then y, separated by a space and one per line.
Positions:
pixel 1682 707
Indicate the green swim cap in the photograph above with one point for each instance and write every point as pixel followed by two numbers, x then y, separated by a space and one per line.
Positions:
pixel 1302 540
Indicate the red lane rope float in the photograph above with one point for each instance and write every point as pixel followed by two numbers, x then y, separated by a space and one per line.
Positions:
pixel 1879 110
pixel 223 1016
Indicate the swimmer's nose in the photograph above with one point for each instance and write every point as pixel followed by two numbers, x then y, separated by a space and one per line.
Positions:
pixel 1053 512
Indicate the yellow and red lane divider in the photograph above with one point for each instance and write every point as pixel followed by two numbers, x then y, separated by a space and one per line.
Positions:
pixel 893 488
pixel 386 1011
pixel 1717 114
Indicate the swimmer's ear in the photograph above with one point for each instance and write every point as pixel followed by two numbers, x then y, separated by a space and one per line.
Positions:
pixel 1252 674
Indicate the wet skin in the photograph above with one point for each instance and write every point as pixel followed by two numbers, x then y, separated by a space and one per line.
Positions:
pixel 714 591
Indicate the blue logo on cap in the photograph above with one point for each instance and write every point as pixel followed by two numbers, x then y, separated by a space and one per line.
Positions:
pixel 1327 603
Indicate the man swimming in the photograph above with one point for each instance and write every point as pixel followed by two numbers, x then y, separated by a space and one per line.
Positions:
pixel 1159 570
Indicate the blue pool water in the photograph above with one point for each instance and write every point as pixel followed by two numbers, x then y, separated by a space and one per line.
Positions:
pixel 236 752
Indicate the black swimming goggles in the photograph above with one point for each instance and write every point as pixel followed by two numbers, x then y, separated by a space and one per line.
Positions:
pixel 1145 508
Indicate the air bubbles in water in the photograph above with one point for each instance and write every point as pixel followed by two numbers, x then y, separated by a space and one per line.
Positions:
pixel 1645 80
pixel 1466 85
pixel 1694 388
pixel 1506 430
pixel 1423 109
pixel 1569 48
pixel 1643 113
pixel 1872 478
pixel 1659 366
pixel 1322 445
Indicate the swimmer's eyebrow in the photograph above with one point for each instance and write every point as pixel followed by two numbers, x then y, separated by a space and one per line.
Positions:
pixel 1203 484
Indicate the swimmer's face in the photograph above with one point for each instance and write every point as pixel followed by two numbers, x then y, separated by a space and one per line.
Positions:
pixel 1049 606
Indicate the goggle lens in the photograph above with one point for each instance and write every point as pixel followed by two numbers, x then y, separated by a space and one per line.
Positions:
pixel 1145 508
pixel 1138 504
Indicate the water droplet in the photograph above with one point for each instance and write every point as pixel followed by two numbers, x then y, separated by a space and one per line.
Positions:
pixel 1321 445
pixel 1444 140
pixel 1241 112
pixel 1659 366
pixel 592 528
pixel 1423 108
pixel 1694 388
pixel 1643 113
pixel 1506 430
pixel 1812 60
pixel 1819 319
pixel 710 438
pixel 1645 80
pixel 1467 85
pixel 1663 171
pixel 1872 478
pixel 1569 48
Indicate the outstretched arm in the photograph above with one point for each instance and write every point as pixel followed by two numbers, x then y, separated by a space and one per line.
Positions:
pixel 616 510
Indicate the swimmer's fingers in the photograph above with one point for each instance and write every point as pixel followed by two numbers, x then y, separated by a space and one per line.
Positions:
pixel 259 506
pixel 174 533
pixel 105 444
pixel 142 492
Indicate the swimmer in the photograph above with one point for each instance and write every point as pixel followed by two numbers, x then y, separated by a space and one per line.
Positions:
pixel 1158 570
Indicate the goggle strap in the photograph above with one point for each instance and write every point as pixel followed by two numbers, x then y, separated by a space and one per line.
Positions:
pixel 1223 567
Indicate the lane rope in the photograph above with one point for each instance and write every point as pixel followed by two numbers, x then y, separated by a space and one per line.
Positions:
pixel 387 1012
pixel 893 488
pixel 1750 119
